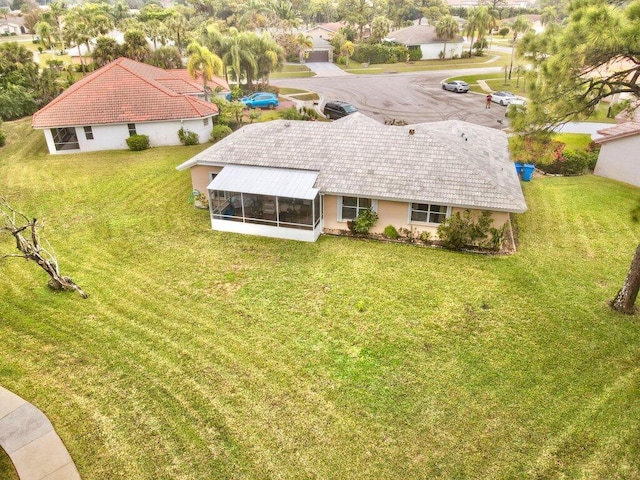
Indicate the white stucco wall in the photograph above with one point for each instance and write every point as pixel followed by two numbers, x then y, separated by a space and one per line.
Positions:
pixel 620 160
pixel 114 137
pixel 432 51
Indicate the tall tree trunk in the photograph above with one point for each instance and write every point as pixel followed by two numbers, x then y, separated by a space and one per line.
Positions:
pixel 626 297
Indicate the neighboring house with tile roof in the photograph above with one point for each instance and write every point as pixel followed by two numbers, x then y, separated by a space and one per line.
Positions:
pixel 618 158
pixel 123 98
pixel 425 38
pixel 295 179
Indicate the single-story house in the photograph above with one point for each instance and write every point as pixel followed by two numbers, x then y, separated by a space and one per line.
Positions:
pixel 12 25
pixel 295 179
pixel 425 38
pixel 619 158
pixel 124 98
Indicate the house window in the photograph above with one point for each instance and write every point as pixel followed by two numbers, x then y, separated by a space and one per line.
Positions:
pixel 132 129
pixel 428 213
pixel 65 138
pixel 88 133
pixel 205 121
pixel 212 176
pixel 351 207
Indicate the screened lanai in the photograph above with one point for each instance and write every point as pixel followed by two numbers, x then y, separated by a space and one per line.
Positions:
pixel 273 202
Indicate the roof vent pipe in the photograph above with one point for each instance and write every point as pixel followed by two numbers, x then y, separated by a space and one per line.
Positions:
pixel 412 131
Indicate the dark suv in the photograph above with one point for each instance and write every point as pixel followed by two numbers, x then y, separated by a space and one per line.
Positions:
pixel 338 109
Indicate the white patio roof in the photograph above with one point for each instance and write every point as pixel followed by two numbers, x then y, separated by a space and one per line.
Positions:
pixel 279 182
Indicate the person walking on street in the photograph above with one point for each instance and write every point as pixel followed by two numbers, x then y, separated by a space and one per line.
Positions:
pixel 488 105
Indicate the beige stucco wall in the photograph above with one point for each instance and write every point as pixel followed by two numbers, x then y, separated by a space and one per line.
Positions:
pixel 396 214
pixel 200 176
pixel 619 159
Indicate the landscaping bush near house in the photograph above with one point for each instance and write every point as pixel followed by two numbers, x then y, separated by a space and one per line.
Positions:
pixel 187 137
pixel 363 223
pixel 570 163
pixel 218 132
pixel 366 53
pixel 464 231
pixel 138 143
pixel 415 54
pixel 305 113
pixel 391 232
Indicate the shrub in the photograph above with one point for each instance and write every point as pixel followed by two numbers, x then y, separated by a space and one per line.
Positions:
pixel 218 132
pixel 376 53
pixel 341 60
pixel 187 137
pixel 361 225
pixel 571 163
pixel 391 232
pixel 290 113
pixel 461 231
pixel 3 139
pixel 425 237
pixel 138 142
pixel 415 54
pixel 305 113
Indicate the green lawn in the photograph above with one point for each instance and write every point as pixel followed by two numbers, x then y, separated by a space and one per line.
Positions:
pixel 425 65
pixel 211 355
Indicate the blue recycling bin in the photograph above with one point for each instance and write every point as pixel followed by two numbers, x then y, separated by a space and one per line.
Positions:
pixel 519 168
pixel 527 171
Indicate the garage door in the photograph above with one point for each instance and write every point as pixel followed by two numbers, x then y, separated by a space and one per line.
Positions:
pixel 318 56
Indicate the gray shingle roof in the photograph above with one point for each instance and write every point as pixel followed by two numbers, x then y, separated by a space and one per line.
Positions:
pixel 452 162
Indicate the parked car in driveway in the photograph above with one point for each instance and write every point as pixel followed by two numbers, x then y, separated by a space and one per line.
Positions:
pixel 503 98
pixel 261 100
pixel 338 109
pixel 516 105
pixel 458 86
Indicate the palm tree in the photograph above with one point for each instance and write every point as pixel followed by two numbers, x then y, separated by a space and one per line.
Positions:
pixel 268 54
pixel 447 29
pixel 478 21
pixel 203 62
pixel 347 49
pixel 237 54
pixel 155 30
pixel 520 25
pixel 44 31
pixel 305 42
pixel 177 25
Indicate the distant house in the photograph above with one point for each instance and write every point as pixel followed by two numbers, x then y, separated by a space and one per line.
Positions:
pixel 12 25
pixel 123 98
pixel 294 179
pixel 618 158
pixel 425 38
pixel 322 50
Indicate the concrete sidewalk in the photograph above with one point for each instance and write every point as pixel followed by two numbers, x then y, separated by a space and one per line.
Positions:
pixel 32 444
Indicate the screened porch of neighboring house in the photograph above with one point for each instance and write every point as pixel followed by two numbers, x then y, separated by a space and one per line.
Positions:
pixel 271 202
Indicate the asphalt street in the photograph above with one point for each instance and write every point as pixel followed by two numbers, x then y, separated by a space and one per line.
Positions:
pixel 411 97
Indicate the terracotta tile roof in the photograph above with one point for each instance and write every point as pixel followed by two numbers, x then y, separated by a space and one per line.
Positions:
pixel 125 91
pixel 621 130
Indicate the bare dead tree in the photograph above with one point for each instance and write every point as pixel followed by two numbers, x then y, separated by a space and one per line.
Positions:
pixel 25 232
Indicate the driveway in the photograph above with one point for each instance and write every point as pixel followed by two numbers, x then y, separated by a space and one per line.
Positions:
pixel 326 69
pixel 413 98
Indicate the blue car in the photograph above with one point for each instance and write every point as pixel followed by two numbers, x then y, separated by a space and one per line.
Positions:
pixel 261 100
